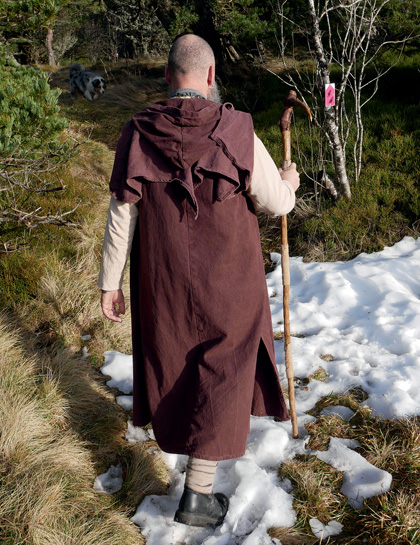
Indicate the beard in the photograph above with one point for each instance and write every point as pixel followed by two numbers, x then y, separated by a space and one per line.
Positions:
pixel 214 94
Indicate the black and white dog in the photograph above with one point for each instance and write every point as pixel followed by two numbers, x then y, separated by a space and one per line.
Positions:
pixel 84 83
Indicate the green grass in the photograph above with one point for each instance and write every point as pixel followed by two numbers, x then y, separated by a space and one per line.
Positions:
pixel 385 204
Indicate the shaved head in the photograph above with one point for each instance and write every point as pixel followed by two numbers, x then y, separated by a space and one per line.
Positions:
pixel 190 54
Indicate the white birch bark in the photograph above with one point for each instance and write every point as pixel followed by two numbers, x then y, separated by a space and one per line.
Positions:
pixel 330 111
pixel 345 34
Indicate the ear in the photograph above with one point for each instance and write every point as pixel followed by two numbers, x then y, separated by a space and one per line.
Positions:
pixel 211 75
pixel 167 76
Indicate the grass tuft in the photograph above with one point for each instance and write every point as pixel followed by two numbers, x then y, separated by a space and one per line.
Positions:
pixel 291 536
pixel 391 445
pixel 316 489
pixel 145 474
pixel 46 471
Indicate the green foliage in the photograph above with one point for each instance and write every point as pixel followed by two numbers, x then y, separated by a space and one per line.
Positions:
pixel 29 111
pixel 185 21
pixel 221 23
pixel 402 17
pixel 32 152
pixel 290 16
pixel 20 16
pixel 135 27
pixel 244 20
pixel 24 25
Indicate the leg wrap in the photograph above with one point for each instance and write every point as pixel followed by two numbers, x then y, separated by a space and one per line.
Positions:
pixel 200 475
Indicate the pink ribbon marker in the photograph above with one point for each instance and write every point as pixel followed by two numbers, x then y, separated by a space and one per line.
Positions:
pixel 330 94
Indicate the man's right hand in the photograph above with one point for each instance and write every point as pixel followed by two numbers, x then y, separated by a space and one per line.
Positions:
pixel 291 175
pixel 113 304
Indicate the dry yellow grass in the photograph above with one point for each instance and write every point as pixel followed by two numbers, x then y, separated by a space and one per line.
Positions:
pixel 60 425
pixel 144 475
pixel 291 536
pixel 46 470
pixel 317 493
pixel 134 94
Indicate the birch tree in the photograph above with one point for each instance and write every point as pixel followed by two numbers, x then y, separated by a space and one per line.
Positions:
pixel 345 38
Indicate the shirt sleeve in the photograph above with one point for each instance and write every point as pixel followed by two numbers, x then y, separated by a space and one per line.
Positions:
pixel 119 231
pixel 268 192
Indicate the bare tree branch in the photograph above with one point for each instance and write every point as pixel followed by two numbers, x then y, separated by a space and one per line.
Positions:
pixel 22 180
pixel 347 35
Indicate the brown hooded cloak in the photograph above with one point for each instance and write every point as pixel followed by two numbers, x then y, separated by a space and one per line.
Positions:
pixel 203 346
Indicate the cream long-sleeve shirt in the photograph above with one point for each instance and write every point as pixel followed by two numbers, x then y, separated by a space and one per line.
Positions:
pixel 268 192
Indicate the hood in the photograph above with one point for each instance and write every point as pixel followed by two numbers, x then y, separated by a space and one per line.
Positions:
pixel 179 128
pixel 181 140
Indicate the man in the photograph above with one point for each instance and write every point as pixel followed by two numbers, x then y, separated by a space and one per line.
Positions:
pixel 188 176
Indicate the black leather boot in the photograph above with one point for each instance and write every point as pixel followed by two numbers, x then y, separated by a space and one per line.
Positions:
pixel 197 509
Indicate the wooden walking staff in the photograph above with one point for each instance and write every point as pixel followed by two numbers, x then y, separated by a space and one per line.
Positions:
pixel 285 120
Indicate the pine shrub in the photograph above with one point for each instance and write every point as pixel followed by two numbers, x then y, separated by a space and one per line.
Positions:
pixel 30 116
pixel 32 152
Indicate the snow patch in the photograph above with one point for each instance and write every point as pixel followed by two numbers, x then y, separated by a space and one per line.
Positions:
pixel 120 368
pixel 320 531
pixel 361 479
pixel 338 410
pixel 109 482
pixel 126 402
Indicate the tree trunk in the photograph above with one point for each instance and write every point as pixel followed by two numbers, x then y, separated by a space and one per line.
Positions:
pixel 329 112
pixel 48 43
